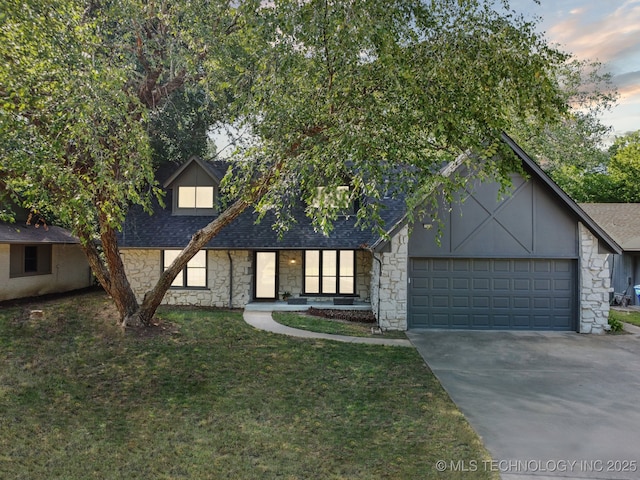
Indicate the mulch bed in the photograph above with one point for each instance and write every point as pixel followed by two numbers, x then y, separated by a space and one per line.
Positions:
pixel 359 316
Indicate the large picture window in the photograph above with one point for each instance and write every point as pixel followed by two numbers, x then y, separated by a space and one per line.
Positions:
pixel 329 272
pixel 26 260
pixel 194 275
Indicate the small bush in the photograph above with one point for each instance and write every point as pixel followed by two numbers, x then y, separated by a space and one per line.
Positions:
pixel 615 324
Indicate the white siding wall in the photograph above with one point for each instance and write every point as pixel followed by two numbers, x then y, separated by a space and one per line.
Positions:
pixel 69 271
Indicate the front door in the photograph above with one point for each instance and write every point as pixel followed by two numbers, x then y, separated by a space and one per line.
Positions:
pixel 266 278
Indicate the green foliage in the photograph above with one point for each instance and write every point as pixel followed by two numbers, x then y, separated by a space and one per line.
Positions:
pixel 379 94
pixel 179 130
pixel 571 149
pixel 624 167
pixel 382 93
pixel 632 317
pixel 615 324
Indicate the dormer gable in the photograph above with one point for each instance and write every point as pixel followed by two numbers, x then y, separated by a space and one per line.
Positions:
pixel 195 188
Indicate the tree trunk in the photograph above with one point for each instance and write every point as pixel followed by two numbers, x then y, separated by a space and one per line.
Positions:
pixel 153 297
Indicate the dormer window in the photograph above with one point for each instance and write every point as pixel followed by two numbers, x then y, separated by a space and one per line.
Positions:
pixel 195 197
pixel 336 198
pixel 194 188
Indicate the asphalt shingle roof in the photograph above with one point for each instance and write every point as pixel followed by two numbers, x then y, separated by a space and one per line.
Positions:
pixel 164 230
pixel 22 233
pixel 620 220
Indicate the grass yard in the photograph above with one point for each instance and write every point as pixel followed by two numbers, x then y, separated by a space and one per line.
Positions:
pixel 624 316
pixel 334 327
pixel 205 396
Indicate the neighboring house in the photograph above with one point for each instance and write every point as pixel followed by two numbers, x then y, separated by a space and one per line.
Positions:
pixel 622 222
pixel 532 260
pixel 39 260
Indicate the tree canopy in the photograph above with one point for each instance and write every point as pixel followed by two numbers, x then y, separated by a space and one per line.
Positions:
pixel 379 93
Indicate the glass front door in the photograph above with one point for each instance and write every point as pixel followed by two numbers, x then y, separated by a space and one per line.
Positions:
pixel 266 275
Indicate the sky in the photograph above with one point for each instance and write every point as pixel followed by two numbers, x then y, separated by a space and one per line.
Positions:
pixel 604 30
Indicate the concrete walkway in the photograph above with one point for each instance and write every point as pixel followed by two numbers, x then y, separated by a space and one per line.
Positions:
pixel 262 320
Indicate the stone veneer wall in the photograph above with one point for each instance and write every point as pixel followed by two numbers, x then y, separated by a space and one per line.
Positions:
pixel 291 273
pixel 595 284
pixel 143 270
pixel 389 283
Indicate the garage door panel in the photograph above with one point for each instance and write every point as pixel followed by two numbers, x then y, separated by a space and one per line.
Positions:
pixel 461 284
pixel 440 284
pixel 440 301
pixel 521 294
pixel 460 320
pixel 542 285
pixel 458 301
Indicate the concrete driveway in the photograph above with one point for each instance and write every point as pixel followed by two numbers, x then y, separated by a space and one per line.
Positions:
pixel 551 405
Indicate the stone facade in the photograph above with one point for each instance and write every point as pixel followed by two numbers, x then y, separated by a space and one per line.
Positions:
pixel 143 270
pixel 389 283
pixel 227 288
pixel 595 284
pixel 290 268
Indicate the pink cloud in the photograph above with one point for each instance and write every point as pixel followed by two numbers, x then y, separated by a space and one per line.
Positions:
pixel 609 38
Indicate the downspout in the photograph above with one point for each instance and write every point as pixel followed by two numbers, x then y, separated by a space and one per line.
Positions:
pixel 230 279
pixel 379 286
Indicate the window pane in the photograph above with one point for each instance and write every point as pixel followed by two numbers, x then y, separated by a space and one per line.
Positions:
pixel 199 259
pixel 196 277
pixel 312 262
pixel 328 284
pixel 179 280
pixel 204 197
pixel 186 197
pixel 30 259
pixel 346 285
pixel 312 285
pixel 169 257
pixel 346 263
pixel 329 263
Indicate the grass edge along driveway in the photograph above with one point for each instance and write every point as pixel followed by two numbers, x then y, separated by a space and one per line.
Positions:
pixel 206 396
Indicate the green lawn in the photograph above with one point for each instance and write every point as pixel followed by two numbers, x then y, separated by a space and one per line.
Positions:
pixel 627 317
pixel 334 327
pixel 205 396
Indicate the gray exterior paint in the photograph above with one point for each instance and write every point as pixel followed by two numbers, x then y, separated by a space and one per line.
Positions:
pixel 481 222
pixel 506 260
pixel 194 174
pixel 512 294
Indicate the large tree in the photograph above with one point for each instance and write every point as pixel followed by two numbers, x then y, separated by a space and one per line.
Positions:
pixel 379 93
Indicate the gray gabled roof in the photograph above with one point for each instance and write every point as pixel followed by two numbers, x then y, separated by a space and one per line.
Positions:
pixel 533 169
pixel 29 234
pixel 215 170
pixel 620 220
pixel 164 231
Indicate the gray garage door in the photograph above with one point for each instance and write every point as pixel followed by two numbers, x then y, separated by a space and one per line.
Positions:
pixel 505 294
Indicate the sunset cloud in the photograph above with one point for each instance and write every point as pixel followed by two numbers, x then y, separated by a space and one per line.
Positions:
pixel 610 36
